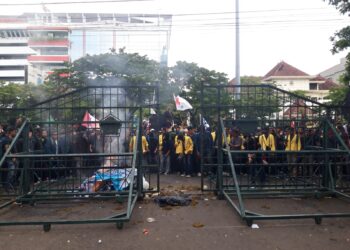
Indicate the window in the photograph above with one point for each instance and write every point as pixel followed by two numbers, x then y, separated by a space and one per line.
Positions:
pixel 312 86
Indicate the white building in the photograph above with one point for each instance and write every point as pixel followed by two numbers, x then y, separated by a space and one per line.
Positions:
pixel 290 78
pixel 14 51
pixel 52 39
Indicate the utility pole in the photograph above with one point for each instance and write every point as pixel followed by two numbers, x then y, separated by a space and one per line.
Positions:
pixel 238 73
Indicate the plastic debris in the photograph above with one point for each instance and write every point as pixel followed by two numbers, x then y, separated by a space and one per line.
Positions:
pixel 172 201
pixel 145 231
pixel 150 219
pixel 255 226
pixel 206 199
pixel 68 241
pixel 99 241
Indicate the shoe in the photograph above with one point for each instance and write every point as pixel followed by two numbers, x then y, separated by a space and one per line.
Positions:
pixel 188 176
pixel 199 174
pixel 182 175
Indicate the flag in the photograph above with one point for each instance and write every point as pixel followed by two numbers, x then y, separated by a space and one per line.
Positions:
pixel 182 104
pixel 203 122
pixel 206 124
pixel 89 121
pixel 153 112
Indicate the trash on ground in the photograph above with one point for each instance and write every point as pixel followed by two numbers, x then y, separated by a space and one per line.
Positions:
pixel 255 226
pixel 197 225
pixel 150 219
pixel 99 241
pixel 172 201
pixel 145 231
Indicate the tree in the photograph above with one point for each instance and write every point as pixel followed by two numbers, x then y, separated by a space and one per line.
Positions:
pixel 188 78
pixel 341 39
pixel 251 80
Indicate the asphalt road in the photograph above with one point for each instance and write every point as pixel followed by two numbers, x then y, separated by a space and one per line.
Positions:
pixel 207 223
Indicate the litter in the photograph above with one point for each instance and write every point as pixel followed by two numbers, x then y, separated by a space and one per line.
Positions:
pixel 255 226
pixel 99 241
pixel 197 225
pixel 110 179
pixel 172 201
pixel 150 219
pixel 145 231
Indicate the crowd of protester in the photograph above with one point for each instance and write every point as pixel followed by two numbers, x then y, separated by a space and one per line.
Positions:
pixel 178 149
pixel 43 141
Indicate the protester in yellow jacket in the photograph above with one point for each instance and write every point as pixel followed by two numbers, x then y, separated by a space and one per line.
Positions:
pixel 143 141
pixel 293 142
pixel 267 142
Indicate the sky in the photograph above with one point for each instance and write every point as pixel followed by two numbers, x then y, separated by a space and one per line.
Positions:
pixel 295 31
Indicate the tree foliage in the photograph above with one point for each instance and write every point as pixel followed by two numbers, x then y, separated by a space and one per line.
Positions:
pixel 342 5
pixel 188 79
pixel 341 39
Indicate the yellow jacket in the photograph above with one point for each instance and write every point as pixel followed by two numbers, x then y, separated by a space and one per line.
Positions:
pixel 160 142
pixel 144 144
pixel 213 135
pixel 293 144
pixel 188 145
pixel 228 138
pixel 180 146
pixel 267 142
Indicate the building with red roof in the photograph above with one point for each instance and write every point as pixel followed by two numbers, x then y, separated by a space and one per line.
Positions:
pixel 290 78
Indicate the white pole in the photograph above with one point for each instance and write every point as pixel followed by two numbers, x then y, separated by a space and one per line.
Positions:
pixel 238 73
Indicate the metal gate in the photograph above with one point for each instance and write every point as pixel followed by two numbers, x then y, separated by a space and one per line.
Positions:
pixel 242 166
pixel 77 148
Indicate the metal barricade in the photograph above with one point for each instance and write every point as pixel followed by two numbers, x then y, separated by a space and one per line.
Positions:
pixel 318 168
pixel 74 150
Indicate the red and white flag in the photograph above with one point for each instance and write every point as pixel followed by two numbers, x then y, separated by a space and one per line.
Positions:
pixel 182 104
pixel 89 121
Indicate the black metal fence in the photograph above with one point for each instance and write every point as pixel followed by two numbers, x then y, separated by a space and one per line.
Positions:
pixel 81 146
pixel 272 143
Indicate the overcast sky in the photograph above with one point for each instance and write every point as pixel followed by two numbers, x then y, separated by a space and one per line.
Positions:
pixel 295 31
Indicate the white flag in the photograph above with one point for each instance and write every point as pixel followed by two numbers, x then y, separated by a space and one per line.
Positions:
pixel 206 124
pixel 153 112
pixel 182 104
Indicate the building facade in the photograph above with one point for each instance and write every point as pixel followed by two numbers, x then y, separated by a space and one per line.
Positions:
pixel 14 51
pixel 49 40
pixel 290 78
pixel 335 72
